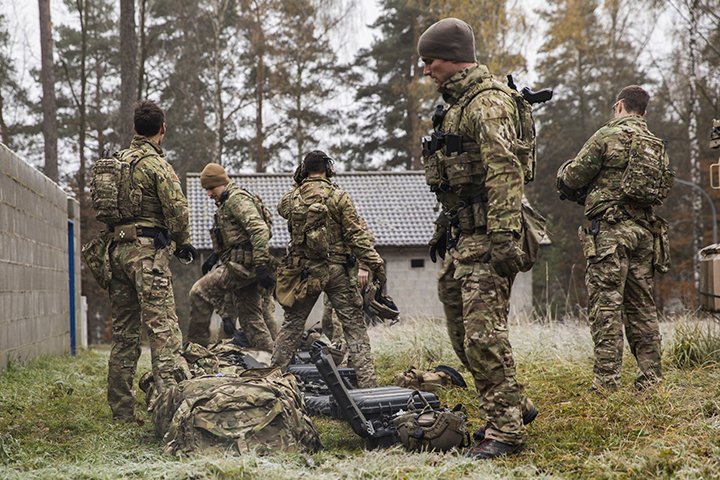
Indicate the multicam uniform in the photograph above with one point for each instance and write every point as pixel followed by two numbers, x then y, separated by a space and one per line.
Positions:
pixel 240 239
pixel 345 237
pixel 481 189
pixel 141 290
pixel 620 247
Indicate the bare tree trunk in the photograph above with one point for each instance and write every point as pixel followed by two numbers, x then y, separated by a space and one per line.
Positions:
pixel 259 96
pixel 80 178
pixel 4 131
pixel 413 113
pixel 49 105
pixel 217 20
pixel 128 69
pixel 143 50
pixel 694 145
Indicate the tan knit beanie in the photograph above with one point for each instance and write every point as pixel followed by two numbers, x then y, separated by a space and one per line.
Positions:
pixel 213 175
pixel 449 39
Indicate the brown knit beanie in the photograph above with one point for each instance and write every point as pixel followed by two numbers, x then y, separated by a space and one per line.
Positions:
pixel 449 39
pixel 213 175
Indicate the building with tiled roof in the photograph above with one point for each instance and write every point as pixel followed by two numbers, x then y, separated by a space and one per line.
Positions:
pixel 400 211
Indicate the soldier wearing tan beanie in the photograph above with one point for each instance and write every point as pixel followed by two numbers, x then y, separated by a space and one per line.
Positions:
pixel 213 175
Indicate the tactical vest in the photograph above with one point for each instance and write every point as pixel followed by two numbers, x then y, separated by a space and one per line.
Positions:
pixel 315 233
pixel 453 164
pixel 115 196
pixel 228 233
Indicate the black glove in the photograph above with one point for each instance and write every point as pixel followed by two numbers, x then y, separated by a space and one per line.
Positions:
pixel 186 253
pixel 438 244
pixel 264 279
pixel 209 263
pixel 228 325
pixel 505 254
pixel 379 274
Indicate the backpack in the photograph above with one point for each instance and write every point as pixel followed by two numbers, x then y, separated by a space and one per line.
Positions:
pixel 259 409
pixel 308 220
pixel 114 195
pixel 647 179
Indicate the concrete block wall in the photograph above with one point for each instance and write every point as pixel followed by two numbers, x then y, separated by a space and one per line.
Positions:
pixel 34 282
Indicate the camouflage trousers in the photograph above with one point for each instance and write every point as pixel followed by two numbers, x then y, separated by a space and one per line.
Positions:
pixel 227 310
pixel 330 324
pixel 476 301
pixel 619 279
pixel 345 299
pixel 208 294
pixel 141 294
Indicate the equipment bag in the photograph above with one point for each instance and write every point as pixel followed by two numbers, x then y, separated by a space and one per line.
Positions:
pixel 259 409
pixel 647 179
pixel 114 195
pixel 308 221
pixel 432 429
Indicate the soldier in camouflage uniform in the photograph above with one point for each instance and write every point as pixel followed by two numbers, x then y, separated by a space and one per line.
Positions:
pixel 336 229
pixel 619 246
pixel 141 290
pixel 478 179
pixel 240 241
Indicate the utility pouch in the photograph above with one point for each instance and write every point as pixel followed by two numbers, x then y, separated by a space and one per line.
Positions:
pixel 464 169
pixel 534 230
pixel 124 233
pixel 97 257
pixel 661 245
pixel 587 240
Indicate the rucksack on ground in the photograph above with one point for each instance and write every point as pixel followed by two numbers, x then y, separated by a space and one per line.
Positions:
pixel 259 409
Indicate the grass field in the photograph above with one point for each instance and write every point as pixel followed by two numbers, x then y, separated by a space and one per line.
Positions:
pixel 55 423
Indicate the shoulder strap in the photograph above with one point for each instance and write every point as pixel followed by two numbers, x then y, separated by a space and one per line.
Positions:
pixel 478 88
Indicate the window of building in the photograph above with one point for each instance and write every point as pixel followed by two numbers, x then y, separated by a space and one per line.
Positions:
pixel 417 263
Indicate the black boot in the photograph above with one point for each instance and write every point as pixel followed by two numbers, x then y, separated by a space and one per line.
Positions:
pixel 488 449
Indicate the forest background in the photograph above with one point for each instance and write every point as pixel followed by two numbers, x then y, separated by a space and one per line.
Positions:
pixel 253 84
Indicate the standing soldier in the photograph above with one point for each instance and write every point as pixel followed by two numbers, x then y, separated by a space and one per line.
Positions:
pixel 240 239
pixel 619 175
pixel 326 239
pixel 149 217
pixel 476 162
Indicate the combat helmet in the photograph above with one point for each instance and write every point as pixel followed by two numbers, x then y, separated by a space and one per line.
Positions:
pixel 378 304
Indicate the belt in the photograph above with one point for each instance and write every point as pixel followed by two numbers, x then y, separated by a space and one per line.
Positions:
pixel 151 232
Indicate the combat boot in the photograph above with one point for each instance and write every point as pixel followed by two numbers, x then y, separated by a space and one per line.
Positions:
pixel 489 449
pixel 529 414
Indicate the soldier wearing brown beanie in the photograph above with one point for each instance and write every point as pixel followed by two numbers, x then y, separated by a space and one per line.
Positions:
pixel 481 191
pixel 240 248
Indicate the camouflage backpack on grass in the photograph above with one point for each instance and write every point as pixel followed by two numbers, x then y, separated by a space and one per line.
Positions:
pixel 259 409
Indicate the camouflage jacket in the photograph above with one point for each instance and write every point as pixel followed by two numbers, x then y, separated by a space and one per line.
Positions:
pixel 239 223
pixel 346 234
pixel 600 164
pixel 163 203
pixel 489 120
